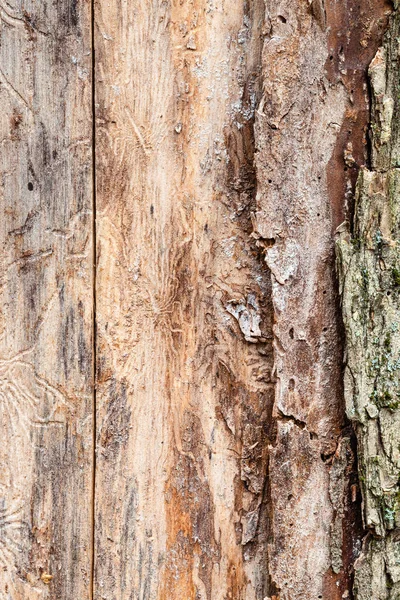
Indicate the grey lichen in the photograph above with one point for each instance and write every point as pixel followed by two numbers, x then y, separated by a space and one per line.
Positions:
pixel 369 275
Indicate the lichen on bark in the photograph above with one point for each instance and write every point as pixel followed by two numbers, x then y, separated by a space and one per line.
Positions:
pixel 369 275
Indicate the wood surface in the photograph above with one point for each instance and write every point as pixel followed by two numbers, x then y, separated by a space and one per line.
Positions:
pixel 46 373
pixel 368 257
pixel 172 409
pixel 184 351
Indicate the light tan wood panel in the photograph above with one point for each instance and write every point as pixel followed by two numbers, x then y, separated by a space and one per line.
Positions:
pixel 184 319
pixel 46 300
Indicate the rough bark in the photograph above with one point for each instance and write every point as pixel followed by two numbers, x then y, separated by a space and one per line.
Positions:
pixel 222 437
pixel 313 103
pixel 228 136
pixel 46 301
pixel 368 259
pixel 295 139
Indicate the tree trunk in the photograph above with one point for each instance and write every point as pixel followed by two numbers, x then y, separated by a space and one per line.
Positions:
pixel 173 415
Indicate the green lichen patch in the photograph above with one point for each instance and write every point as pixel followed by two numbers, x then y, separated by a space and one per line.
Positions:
pixel 369 275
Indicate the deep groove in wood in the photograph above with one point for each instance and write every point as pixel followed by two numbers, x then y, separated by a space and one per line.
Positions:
pixel 94 265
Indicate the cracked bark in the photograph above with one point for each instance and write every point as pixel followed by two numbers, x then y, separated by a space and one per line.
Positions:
pixel 310 138
pixel 368 260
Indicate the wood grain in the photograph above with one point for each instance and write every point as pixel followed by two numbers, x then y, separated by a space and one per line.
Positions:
pixel 184 318
pixel 201 352
pixel 46 300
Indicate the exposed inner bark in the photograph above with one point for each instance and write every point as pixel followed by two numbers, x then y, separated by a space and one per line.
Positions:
pixel 355 33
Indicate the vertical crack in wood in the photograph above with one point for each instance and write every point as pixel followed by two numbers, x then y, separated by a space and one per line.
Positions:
pixel 94 273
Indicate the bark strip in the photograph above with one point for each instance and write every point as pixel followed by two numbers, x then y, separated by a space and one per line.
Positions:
pixel 369 271
pixel 296 132
pixel 310 139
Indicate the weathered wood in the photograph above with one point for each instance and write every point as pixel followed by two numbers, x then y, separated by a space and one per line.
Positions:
pixel 225 465
pixel 304 121
pixel 184 319
pixel 227 138
pixel 368 259
pixel 46 300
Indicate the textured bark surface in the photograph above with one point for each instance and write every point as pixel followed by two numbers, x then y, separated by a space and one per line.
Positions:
pixel 370 279
pixel 244 477
pixel 295 139
pixel 46 301
pixel 226 142
pixel 314 101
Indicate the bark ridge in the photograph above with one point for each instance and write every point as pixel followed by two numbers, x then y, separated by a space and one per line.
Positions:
pixel 369 273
